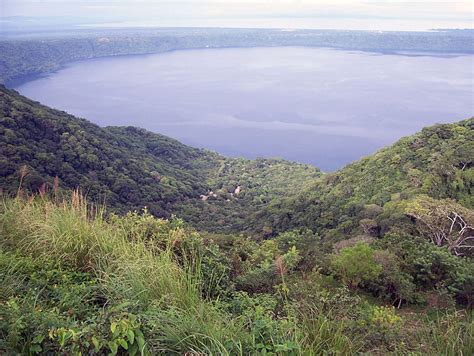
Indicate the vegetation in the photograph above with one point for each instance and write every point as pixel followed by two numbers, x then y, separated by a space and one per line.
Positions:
pixel 356 264
pixel 271 257
pixel 76 280
pixel 239 188
pixel 130 168
pixel 446 222
pixel 26 56
pixel 368 196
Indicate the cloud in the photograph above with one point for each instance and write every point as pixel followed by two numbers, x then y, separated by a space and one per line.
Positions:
pixel 459 12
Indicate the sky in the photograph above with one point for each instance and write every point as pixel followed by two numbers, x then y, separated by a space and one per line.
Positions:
pixel 340 14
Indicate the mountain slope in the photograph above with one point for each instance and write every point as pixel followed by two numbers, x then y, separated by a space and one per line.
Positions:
pixel 131 168
pixel 438 161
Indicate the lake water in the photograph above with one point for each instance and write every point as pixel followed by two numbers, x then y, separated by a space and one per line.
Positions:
pixel 320 106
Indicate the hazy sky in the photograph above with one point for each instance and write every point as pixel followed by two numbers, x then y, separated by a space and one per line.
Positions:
pixel 356 14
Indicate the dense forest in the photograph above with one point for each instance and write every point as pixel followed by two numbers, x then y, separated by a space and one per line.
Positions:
pixel 120 241
pixel 128 168
pixel 438 162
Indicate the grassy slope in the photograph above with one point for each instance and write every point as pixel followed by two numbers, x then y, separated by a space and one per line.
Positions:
pixel 70 275
pixel 73 281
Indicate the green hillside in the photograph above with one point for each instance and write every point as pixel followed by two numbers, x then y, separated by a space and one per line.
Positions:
pixel 270 257
pixel 129 168
pixel 438 162
pixel 74 280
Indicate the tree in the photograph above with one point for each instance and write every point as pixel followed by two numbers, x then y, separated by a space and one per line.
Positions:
pixel 393 283
pixel 370 227
pixel 445 222
pixel 356 264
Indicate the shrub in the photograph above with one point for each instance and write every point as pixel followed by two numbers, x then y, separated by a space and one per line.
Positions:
pixel 356 264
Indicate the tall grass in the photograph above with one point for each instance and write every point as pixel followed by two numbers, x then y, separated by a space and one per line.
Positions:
pixel 80 237
pixel 131 266
pixel 322 334
pixel 141 261
pixel 450 334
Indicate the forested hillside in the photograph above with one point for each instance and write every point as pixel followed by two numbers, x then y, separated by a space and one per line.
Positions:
pixel 272 257
pixel 438 162
pixel 240 188
pixel 128 168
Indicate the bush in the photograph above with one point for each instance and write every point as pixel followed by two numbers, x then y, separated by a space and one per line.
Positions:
pixel 356 264
pixel 431 267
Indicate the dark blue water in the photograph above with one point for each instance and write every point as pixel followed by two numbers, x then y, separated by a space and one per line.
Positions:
pixel 319 106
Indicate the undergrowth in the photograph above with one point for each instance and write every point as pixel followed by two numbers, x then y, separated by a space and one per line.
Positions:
pixel 75 280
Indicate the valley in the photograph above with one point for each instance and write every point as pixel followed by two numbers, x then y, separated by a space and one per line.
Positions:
pixel 317 106
pixel 117 238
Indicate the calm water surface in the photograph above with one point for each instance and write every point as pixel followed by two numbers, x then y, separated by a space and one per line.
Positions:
pixel 319 106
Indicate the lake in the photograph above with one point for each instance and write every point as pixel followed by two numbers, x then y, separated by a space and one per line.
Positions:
pixel 319 106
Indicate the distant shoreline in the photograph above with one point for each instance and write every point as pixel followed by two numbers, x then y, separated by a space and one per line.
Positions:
pixel 16 82
pixel 26 58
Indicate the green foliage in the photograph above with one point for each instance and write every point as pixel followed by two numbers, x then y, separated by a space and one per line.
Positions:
pixel 268 334
pixel 393 283
pixel 438 162
pixel 424 266
pixel 356 265
pixel 116 266
pixel 75 280
pixel 385 317
pixel 131 168
pixel 383 328
pixel 266 267
pixel 449 333
pixel 47 308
